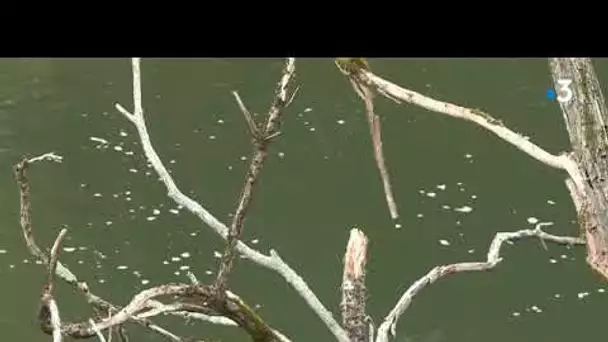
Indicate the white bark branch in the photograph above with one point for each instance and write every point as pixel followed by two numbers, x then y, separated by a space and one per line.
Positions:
pixel 97 331
pixel 55 320
pixel 389 324
pixel 272 261
pixel 391 90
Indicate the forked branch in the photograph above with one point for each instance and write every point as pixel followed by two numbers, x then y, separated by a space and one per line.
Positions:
pixel 389 324
pixel 272 261
pixel 260 141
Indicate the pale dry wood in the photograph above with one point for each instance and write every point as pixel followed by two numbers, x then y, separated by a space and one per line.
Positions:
pixel 393 91
pixel 272 261
pixel 354 292
pixel 389 325
pixel 55 267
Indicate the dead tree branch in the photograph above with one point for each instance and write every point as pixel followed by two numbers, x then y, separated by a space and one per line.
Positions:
pixel 389 324
pixel 373 121
pixel 48 314
pixel 260 142
pixel 354 292
pixel 272 261
pixel 48 302
pixel 483 119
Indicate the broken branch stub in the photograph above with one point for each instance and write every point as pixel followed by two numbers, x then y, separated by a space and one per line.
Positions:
pixel 586 117
pixel 354 318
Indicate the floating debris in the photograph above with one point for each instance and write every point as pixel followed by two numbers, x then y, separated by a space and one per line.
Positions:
pixel 582 295
pixel 99 140
pixel 464 209
pixel 532 220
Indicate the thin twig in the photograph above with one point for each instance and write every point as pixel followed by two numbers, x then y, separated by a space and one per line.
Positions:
pixel 373 121
pixel 97 331
pixel 259 154
pixel 54 257
pixel 253 128
pixel 390 322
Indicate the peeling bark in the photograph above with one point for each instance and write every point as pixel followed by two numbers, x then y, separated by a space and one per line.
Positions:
pixel 586 118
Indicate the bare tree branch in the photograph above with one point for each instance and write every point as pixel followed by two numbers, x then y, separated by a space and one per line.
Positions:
pixel 391 90
pixel 389 324
pixel 272 261
pixel 54 258
pixel 260 141
pixel 253 128
pixel 48 314
pixel 373 121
